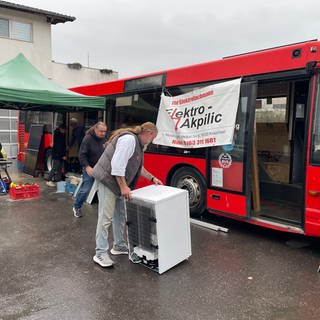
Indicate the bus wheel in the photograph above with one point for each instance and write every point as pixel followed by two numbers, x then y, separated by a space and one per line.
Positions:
pixel 190 179
pixel 48 160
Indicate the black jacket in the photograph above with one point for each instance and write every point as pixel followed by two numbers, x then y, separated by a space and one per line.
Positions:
pixel 91 150
pixel 59 145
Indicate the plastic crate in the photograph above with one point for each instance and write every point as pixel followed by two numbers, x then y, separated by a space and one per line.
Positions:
pixel 21 156
pixel 24 192
pixel 61 186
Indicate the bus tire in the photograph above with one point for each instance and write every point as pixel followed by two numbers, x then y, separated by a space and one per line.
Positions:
pixel 48 159
pixel 190 179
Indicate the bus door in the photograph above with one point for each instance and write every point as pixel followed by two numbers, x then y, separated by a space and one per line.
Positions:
pixel 312 192
pixel 281 123
pixel 229 170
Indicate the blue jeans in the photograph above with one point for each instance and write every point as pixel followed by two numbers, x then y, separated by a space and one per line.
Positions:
pixel 110 208
pixel 87 182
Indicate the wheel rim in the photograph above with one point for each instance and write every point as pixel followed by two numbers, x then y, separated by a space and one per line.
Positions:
pixel 190 184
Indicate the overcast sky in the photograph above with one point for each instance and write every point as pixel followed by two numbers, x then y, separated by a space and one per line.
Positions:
pixel 135 37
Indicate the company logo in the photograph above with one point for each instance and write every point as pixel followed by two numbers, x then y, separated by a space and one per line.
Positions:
pixel 189 116
pixel 225 160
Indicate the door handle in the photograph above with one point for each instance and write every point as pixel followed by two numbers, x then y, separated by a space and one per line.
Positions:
pixel 314 193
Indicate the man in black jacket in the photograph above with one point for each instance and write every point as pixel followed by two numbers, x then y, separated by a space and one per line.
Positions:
pixel 58 155
pixel 91 149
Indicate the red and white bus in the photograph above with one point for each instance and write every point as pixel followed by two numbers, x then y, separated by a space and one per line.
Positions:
pixel 276 152
pixel 50 120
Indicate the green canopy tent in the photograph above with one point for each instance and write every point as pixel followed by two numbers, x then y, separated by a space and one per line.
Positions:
pixel 23 87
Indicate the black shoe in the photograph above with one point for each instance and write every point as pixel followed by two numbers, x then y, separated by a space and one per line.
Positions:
pixel 133 257
pixel 77 212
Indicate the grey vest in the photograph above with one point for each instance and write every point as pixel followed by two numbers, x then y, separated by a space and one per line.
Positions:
pixel 102 170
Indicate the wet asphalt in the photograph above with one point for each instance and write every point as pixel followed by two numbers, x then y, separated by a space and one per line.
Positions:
pixel 47 270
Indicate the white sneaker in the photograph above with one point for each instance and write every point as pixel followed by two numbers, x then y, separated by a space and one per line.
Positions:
pixel 119 251
pixel 50 184
pixel 104 262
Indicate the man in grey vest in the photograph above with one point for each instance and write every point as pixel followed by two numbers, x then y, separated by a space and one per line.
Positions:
pixel 117 172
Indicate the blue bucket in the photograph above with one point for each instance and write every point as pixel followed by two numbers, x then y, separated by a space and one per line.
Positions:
pixel 61 186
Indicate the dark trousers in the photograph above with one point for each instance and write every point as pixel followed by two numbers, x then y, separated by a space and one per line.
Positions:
pixel 55 173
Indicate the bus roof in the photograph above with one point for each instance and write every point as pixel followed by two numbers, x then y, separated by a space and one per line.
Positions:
pixel 283 58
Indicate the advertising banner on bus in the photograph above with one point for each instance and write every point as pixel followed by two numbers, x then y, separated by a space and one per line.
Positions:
pixel 201 118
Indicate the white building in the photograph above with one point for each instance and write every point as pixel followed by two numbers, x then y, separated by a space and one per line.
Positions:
pixel 74 74
pixel 28 30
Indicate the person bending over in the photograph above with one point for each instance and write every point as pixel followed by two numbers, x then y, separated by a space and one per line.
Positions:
pixel 117 172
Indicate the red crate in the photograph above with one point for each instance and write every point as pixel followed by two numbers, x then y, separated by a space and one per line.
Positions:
pixel 21 156
pixel 24 192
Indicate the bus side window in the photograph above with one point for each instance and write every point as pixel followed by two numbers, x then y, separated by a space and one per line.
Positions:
pixel 315 153
pixel 315 147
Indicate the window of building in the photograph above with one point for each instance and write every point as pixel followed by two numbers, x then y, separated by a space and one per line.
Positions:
pixel 15 30
pixel 21 31
pixel 4 28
